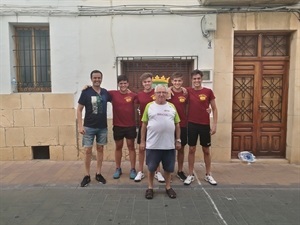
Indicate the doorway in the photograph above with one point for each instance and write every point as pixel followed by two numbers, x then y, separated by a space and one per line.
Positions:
pixel 260 88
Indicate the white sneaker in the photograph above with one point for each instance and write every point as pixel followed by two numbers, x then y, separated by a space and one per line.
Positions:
pixel 139 176
pixel 158 176
pixel 210 180
pixel 189 180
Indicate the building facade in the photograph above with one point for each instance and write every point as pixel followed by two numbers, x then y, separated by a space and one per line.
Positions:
pixel 250 53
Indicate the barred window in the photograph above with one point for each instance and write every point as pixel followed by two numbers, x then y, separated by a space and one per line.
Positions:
pixel 32 52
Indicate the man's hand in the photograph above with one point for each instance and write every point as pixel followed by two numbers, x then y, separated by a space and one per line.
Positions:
pixel 142 146
pixel 213 129
pixel 81 130
pixel 208 110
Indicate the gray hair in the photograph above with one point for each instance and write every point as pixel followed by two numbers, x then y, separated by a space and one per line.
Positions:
pixel 161 85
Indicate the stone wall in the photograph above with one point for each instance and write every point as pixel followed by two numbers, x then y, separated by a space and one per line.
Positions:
pixel 38 119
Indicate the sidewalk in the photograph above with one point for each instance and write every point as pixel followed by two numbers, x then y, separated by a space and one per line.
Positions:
pixel 48 193
pixel 70 173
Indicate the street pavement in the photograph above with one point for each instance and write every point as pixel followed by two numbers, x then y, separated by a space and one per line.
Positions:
pixel 43 192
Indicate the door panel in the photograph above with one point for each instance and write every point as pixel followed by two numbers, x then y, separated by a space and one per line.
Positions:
pixel 243 127
pixel 259 108
pixel 272 109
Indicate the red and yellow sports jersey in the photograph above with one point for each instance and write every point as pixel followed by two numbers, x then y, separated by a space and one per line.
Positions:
pixel 143 98
pixel 123 108
pixel 180 100
pixel 199 101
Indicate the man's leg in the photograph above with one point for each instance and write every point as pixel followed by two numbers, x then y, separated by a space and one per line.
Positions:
pixel 207 159
pixel 118 152
pixel 87 160
pixel 168 179
pixel 150 179
pixel 132 153
pixel 180 158
pixel 141 160
pixel 191 159
pixel 99 158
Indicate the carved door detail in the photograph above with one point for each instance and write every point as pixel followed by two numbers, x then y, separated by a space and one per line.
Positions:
pixel 260 104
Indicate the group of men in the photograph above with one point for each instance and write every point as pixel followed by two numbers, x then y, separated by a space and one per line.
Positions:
pixel 169 119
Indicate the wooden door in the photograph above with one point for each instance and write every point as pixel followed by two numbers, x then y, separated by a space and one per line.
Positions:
pixel 259 108
pixel 260 88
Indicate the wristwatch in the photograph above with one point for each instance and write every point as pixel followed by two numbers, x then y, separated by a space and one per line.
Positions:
pixel 178 140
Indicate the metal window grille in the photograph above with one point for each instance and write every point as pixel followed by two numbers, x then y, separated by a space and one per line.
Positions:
pixel 32 52
pixel 134 67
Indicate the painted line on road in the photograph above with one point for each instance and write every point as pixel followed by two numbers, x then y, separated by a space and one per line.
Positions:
pixel 211 200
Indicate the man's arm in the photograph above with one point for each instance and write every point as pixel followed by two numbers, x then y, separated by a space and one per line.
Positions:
pixel 79 119
pixel 215 116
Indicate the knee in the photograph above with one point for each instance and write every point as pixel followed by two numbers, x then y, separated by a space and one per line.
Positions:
pixel 206 151
pixel 100 149
pixel 192 150
pixel 88 152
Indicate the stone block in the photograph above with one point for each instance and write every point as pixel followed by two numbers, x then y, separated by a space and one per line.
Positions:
pixel 32 100
pixel 59 101
pixel 2 138
pixel 67 135
pixel 6 118
pixel 6 154
pixel 41 117
pixel 62 117
pixel 23 118
pixel 15 136
pixel 35 136
pixel 22 153
pixel 12 101
pixel 56 153
pixel 70 153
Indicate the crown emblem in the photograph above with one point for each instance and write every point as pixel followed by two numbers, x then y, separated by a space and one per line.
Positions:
pixel 160 80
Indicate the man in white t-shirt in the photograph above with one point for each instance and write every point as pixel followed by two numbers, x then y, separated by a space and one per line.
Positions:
pixel 161 121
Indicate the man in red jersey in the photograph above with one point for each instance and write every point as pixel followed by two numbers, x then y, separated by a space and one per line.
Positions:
pixel 143 98
pixel 123 124
pixel 179 99
pixel 200 98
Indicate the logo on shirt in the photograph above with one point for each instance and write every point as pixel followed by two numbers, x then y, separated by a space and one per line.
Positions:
pixel 202 97
pixel 182 99
pixel 128 99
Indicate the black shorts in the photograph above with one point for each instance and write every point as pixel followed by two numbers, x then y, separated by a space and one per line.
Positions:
pixel 139 136
pixel 203 131
pixel 124 132
pixel 183 136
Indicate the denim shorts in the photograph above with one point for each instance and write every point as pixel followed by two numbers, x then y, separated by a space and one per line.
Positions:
pixel 90 134
pixel 155 156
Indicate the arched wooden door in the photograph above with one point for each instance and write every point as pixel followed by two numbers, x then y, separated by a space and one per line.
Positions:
pixel 260 87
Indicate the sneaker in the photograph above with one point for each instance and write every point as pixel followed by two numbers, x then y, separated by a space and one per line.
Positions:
pixel 210 179
pixel 140 175
pixel 189 180
pixel 100 178
pixel 181 175
pixel 85 181
pixel 158 176
pixel 118 173
pixel 132 174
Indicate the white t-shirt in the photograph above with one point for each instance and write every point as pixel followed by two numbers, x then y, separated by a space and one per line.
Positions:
pixel 161 125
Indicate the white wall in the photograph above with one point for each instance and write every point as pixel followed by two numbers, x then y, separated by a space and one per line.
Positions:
pixel 80 44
